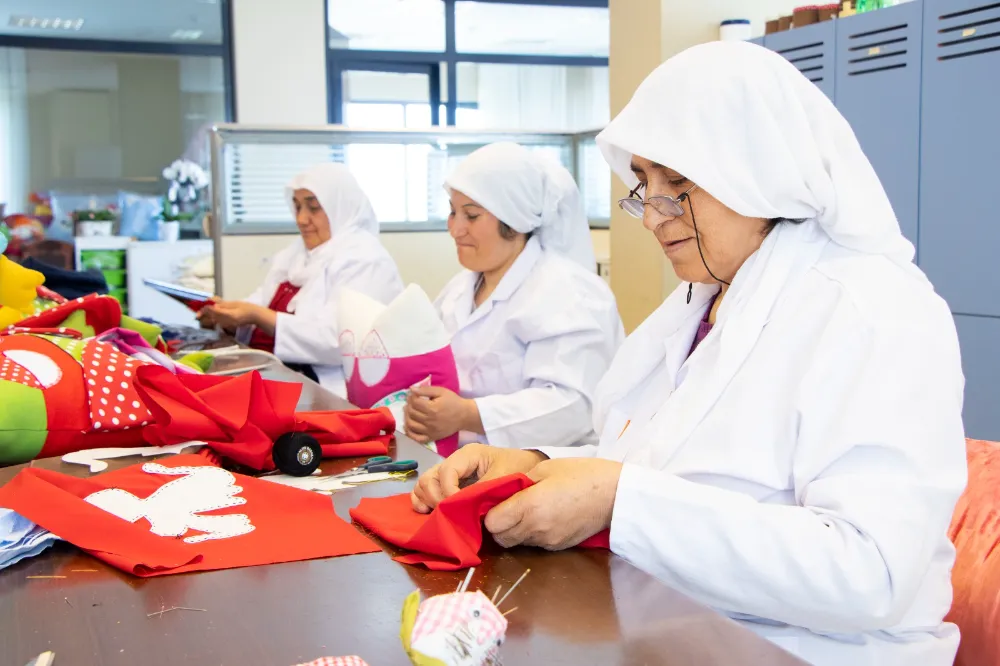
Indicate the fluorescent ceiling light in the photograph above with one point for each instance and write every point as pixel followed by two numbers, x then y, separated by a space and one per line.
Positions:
pixel 188 35
pixel 40 23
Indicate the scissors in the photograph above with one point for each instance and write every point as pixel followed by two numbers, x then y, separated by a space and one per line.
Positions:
pixel 379 464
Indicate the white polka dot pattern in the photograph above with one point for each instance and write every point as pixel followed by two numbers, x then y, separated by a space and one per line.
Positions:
pixel 118 406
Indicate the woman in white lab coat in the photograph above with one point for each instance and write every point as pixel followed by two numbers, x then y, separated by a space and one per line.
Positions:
pixel 533 326
pixel 293 313
pixel 782 438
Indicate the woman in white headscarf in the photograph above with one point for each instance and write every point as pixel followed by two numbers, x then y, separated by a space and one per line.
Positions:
pixel 782 438
pixel 533 327
pixel 293 313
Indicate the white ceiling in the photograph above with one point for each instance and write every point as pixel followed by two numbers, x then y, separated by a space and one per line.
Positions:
pixel 133 20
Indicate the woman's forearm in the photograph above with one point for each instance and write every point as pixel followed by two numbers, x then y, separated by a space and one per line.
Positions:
pixel 266 320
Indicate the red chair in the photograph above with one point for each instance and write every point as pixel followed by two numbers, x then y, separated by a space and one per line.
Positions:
pixel 975 531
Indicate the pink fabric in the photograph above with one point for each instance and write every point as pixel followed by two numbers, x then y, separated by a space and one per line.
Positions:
pixel 404 372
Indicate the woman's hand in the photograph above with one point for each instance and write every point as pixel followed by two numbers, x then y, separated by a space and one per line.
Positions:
pixel 471 461
pixel 433 413
pixel 231 314
pixel 206 317
pixel 572 500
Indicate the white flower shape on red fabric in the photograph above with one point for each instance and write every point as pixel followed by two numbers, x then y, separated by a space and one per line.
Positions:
pixel 177 505
pixel 373 360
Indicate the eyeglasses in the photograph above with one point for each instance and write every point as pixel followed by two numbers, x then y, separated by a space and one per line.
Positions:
pixel 664 205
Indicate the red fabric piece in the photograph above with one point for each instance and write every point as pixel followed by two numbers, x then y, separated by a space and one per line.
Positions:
pixel 60 332
pixel 114 402
pixel 283 295
pixel 103 313
pixel 241 416
pixel 263 523
pixel 47 294
pixel 449 538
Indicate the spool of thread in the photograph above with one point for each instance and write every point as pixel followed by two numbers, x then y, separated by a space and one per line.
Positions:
pixel 784 23
pixel 805 15
pixel 734 30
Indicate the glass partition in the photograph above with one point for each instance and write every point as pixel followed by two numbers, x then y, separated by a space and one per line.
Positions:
pixel 402 171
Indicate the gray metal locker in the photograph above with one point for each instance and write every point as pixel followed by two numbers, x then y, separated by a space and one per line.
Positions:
pixel 978 337
pixel 759 41
pixel 878 91
pixel 812 50
pixel 960 159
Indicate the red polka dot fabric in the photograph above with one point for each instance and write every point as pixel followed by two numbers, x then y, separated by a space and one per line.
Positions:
pixel 109 376
pixel 14 372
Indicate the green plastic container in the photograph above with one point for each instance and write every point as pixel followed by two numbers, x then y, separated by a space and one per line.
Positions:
pixel 114 278
pixel 120 295
pixel 102 260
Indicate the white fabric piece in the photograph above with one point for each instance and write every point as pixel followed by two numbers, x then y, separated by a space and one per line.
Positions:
pixel 179 505
pixel 532 354
pixel 528 191
pixel 799 470
pixel 352 258
pixel 20 538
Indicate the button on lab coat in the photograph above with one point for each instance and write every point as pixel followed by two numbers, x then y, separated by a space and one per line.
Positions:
pixel 531 355
pixel 803 484
pixel 310 335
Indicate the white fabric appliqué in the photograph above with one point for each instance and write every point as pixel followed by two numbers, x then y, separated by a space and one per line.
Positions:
pixel 176 506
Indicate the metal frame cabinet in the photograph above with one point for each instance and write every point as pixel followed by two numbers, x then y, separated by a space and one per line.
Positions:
pixel 978 337
pixel 960 156
pixel 878 91
pixel 812 49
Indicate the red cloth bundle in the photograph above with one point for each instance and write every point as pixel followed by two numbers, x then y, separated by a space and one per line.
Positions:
pixel 449 538
pixel 182 514
pixel 241 417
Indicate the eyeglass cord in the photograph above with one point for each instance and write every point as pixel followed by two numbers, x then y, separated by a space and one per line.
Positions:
pixel 697 239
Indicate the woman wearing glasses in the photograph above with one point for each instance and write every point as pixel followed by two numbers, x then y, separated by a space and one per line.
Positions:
pixel 533 327
pixel 782 438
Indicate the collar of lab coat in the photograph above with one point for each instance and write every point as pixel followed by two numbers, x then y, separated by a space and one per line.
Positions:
pixel 665 337
pixel 509 284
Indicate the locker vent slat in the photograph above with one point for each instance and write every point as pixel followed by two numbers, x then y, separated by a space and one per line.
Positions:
pixel 808 59
pixel 881 50
pixel 970 32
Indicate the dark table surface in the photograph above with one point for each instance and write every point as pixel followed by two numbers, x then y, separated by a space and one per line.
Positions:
pixel 576 607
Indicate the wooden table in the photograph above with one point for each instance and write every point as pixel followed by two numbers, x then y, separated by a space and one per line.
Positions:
pixel 576 607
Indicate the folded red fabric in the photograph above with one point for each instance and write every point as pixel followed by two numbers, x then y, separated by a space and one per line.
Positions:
pixel 241 417
pixel 448 538
pixel 182 514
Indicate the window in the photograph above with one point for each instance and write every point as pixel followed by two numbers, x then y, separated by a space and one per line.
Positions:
pixel 535 97
pixel 485 64
pixel 93 122
pixel 386 25
pixel 491 27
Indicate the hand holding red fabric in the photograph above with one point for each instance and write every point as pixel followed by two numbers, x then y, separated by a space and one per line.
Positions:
pixel 449 538
pixel 241 417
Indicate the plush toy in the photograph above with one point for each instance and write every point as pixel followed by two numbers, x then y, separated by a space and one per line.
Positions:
pixel 458 629
pixel 388 349
pixel 18 289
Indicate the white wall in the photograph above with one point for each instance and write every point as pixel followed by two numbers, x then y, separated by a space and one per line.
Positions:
pixel 280 61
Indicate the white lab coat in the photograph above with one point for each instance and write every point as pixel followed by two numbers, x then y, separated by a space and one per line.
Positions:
pixel 532 354
pixel 801 480
pixel 310 335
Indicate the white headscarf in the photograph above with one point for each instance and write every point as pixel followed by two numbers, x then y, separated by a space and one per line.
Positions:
pixel 741 122
pixel 747 127
pixel 528 191
pixel 346 206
